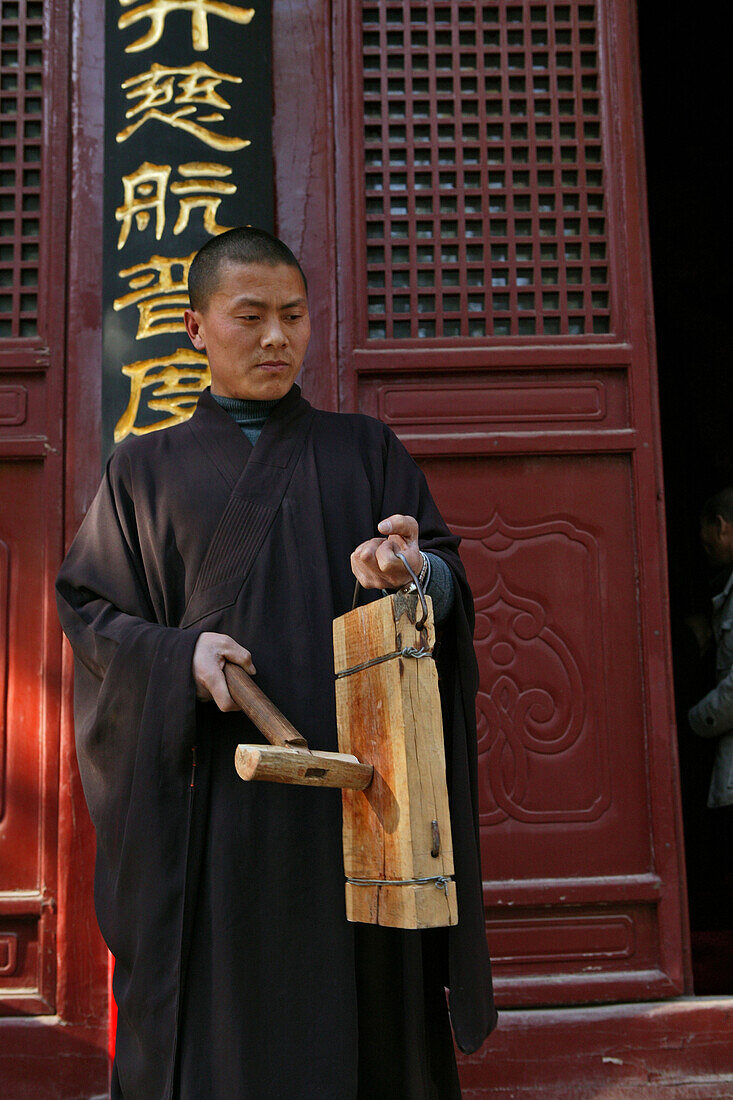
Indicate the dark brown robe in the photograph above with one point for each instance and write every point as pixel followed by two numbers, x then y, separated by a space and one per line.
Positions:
pixel 237 975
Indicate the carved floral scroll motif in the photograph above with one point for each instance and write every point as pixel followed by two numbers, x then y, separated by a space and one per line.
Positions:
pixel 542 724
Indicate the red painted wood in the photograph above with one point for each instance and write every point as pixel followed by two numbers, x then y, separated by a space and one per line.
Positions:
pixel 494 308
pixel 304 175
pixel 22 154
pixel 673 1050
pixel 82 986
pixel 112 1031
pixel 32 256
pixel 62 1052
pixel 47 1059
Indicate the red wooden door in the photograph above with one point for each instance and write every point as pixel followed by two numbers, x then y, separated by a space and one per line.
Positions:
pixel 494 309
pixel 31 404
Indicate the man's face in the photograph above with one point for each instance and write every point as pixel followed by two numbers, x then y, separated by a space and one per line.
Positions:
pixel 255 330
pixel 717 541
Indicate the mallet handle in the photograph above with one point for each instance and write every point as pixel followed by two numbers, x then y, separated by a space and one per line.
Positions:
pixel 258 708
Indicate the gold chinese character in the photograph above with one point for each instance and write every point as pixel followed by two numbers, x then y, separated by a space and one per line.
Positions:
pixel 172 96
pixel 176 382
pixel 146 189
pixel 160 297
pixel 157 11
pixel 143 191
pixel 201 192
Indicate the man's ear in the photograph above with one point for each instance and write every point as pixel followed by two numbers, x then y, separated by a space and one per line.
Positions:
pixel 193 321
pixel 725 527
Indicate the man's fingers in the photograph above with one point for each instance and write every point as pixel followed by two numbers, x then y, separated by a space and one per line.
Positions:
pixel 364 557
pixel 220 693
pixel 364 564
pixel 407 526
pixel 365 551
pixel 238 655
pixel 209 655
pixel 386 556
pixel 371 553
pixel 375 564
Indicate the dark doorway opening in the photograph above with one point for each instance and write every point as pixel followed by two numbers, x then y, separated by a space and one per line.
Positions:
pixel 684 71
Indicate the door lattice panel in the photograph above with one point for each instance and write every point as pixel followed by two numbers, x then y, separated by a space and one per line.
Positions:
pixel 21 69
pixel 484 170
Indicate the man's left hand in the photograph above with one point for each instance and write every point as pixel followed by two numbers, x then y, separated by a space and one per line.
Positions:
pixel 374 563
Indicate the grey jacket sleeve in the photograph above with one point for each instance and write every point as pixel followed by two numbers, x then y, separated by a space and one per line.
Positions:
pixel 713 715
pixel 440 587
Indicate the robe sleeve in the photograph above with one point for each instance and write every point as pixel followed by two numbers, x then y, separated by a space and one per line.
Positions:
pixel 469 982
pixel 135 710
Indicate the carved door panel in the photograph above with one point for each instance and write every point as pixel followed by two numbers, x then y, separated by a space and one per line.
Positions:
pixel 493 310
pixel 32 294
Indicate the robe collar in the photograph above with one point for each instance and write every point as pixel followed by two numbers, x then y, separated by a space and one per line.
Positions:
pixel 228 447
pixel 258 478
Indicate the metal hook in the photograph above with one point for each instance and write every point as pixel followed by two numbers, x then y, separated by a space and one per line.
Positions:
pixel 418 586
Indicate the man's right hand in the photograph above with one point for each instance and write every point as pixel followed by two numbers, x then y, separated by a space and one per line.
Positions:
pixel 211 651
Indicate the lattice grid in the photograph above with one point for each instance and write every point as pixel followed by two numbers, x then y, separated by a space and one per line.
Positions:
pixel 21 73
pixel 484 170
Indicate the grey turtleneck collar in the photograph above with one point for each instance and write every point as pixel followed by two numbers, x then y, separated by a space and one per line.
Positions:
pixel 249 415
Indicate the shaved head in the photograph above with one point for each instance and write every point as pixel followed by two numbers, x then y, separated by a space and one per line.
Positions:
pixel 719 505
pixel 241 246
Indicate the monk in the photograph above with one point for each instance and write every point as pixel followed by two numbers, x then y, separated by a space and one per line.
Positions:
pixel 236 536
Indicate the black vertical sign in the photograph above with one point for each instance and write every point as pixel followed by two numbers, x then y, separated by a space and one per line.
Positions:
pixel 188 153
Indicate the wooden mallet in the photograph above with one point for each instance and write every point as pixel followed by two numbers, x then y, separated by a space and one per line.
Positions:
pixel 287 759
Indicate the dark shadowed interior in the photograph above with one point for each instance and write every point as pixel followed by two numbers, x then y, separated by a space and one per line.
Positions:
pixel 684 92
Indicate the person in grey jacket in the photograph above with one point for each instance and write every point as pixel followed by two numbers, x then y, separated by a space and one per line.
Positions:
pixel 713 715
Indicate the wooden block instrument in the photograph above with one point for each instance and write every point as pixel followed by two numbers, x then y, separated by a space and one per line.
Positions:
pixel 398 856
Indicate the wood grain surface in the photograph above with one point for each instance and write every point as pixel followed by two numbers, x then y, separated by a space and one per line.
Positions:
pixel 389 716
pixel 258 708
pixel 313 769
